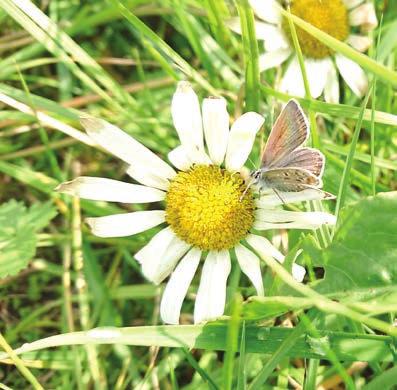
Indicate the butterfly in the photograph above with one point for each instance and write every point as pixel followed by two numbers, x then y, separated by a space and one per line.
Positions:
pixel 286 165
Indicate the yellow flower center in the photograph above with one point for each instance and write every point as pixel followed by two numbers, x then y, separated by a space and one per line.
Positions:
pixel 329 16
pixel 205 207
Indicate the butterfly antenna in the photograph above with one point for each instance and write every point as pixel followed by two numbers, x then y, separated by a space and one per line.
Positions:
pixel 247 188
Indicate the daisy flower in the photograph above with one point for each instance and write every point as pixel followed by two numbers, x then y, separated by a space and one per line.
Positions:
pixel 204 216
pixel 345 20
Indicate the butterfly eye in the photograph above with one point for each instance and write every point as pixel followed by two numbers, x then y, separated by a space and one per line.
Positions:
pixel 256 174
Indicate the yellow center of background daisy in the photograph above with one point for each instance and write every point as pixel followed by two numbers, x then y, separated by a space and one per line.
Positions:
pixel 329 16
pixel 204 207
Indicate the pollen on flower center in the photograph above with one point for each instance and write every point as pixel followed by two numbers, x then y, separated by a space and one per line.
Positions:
pixel 329 16
pixel 205 207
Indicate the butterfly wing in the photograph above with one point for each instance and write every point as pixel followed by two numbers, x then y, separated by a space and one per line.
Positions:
pixel 309 159
pixel 288 133
pixel 290 179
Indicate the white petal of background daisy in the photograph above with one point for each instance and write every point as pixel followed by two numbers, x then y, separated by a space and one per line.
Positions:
pixel 205 217
pixel 338 18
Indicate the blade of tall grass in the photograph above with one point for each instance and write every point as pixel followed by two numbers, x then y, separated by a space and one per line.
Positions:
pixel 232 337
pixel 276 357
pixel 165 49
pixel 66 44
pixel 242 375
pixel 337 110
pixel 51 44
pixel 20 365
pixel 251 55
pixel 349 160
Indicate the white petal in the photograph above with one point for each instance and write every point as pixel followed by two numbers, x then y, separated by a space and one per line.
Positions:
pixel 282 219
pixel 359 42
pixel 234 24
pixel 183 159
pixel 273 59
pixel 211 294
pixel 249 264
pixel 317 71
pixel 267 10
pixel 273 36
pixel 122 145
pixel 159 257
pixel 216 128
pixel 331 90
pixel 241 138
pixel 352 3
pixel 298 272
pixel 144 174
pixel 264 247
pixel 180 158
pixel 98 188
pixel 186 115
pixel 364 16
pixel 271 199
pixel 120 225
pixel 292 82
pixel 177 287
pixel 353 74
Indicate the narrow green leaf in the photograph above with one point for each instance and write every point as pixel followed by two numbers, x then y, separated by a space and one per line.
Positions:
pixel 251 55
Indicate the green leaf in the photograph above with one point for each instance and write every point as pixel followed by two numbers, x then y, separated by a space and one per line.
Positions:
pixel 363 253
pixel 259 339
pixel 18 240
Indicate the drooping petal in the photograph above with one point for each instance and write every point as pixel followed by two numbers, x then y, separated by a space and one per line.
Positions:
pixel 143 174
pixel 267 10
pixel 353 74
pixel 273 59
pixel 283 219
pixel 216 128
pixel 331 90
pixel 292 82
pixel 250 265
pixel 159 257
pixel 364 16
pixel 177 287
pixel 241 138
pixel 273 37
pixel 359 42
pixel 98 188
pixel 270 200
pixel 211 294
pixel 186 115
pixel 298 272
pixel 317 71
pixel 352 3
pixel 122 145
pixel 264 248
pixel 127 224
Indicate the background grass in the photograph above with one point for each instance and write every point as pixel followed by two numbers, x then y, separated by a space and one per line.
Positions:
pixel 120 60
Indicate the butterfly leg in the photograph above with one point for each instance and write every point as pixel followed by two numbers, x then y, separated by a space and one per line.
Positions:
pixel 278 195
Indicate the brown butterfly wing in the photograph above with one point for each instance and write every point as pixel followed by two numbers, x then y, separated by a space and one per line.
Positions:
pixel 290 179
pixel 288 133
pixel 309 159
